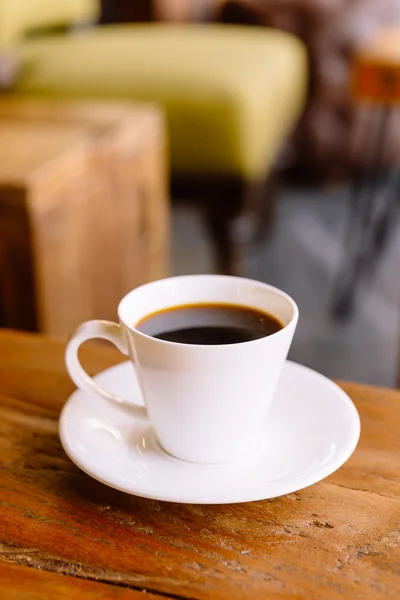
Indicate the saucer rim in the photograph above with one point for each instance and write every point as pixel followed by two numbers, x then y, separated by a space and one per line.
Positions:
pixel 322 473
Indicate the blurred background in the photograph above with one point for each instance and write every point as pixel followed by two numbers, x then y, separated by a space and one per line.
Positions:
pixel 254 137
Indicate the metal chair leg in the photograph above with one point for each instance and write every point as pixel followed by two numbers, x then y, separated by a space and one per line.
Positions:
pixel 366 231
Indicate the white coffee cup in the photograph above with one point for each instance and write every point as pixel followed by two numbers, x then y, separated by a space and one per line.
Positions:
pixel 207 404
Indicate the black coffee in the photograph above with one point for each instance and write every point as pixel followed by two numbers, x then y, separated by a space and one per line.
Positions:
pixel 209 324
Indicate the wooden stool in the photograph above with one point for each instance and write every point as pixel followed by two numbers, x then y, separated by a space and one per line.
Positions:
pixel 376 86
pixel 84 211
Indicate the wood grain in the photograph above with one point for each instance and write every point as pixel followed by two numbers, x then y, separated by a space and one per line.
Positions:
pixel 337 539
pixel 21 583
pixel 84 209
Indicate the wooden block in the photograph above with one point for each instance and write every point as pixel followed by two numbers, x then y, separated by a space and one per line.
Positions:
pixel 84 210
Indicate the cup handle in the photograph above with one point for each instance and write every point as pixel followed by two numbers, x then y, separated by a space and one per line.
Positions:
pixel 106 330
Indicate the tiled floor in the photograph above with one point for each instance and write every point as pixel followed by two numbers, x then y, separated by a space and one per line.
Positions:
pixel 302 257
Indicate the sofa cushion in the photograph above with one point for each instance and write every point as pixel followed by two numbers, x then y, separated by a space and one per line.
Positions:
pixel 230 94
pixel 17 17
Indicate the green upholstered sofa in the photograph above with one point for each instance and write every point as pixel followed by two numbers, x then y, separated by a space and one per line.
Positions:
pixel 231 95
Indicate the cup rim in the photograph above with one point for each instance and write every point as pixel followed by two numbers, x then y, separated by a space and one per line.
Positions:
pixel 261 284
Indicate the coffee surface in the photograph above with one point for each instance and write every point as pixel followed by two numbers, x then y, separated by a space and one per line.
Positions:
pixel 209 324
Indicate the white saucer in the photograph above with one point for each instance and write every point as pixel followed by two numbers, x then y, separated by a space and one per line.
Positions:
pixel 312 429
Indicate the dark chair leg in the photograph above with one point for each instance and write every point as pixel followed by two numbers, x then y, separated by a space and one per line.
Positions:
pixel 226 252
pixel 238 218
pixel 258 209
pixel 126 11
pixel 367 230
pixel 220 211
pixel 237 214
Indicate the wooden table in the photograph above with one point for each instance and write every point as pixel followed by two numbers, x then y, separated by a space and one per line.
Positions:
pixel 337 539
